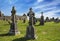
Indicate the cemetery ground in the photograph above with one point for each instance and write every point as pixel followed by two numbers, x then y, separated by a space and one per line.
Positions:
pixel 49 32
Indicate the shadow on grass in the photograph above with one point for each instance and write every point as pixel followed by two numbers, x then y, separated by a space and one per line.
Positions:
pixel 2 35
pixel 21 39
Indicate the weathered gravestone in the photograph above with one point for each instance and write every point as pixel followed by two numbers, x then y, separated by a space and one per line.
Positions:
pixel 56 20
pixel 1 15
pixel 42 19
pixel 47 19
pixel 24 19
pixel 13 25
pixel 30 29
pixel 34 20
pixel 52 19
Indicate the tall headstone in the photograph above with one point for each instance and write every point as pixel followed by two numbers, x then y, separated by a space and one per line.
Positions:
pixel 42 19
pixel 0 13
pixel 13 25
pixel 30 29
pixel 33 16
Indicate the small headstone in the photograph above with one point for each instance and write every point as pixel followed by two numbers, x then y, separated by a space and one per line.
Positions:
pixel 13 25
pixel 56 20
pixel 8 21
pixel 30 29
pixel 47 19
pixel 42 19
pixel 52 19
pixel 24 19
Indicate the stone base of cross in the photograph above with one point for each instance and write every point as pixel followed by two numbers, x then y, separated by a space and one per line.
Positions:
pixel 13 29
pixel 30 32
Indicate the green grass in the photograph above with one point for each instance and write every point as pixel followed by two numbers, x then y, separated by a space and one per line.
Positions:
pixel 49 32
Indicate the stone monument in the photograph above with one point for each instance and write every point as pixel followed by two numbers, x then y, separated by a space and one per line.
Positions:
pixel 56 20
pixel 33 16
pixel 13 24
pixel 24 19
pixel 42 19
pixel 30 29
pixel 0 13
pixel 52 19
pixel 47 19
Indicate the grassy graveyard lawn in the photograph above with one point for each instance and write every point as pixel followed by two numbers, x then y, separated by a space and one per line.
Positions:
pixel 49 32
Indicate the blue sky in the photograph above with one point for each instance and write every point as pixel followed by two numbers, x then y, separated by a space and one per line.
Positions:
pixel 51 8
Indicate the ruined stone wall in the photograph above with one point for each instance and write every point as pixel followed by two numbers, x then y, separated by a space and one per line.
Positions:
pixel 9 17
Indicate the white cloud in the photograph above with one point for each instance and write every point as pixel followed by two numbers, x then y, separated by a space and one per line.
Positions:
pixel 46 5
pixel 49 14
pixel 49 6
pixel 40 0
pixel 42 6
